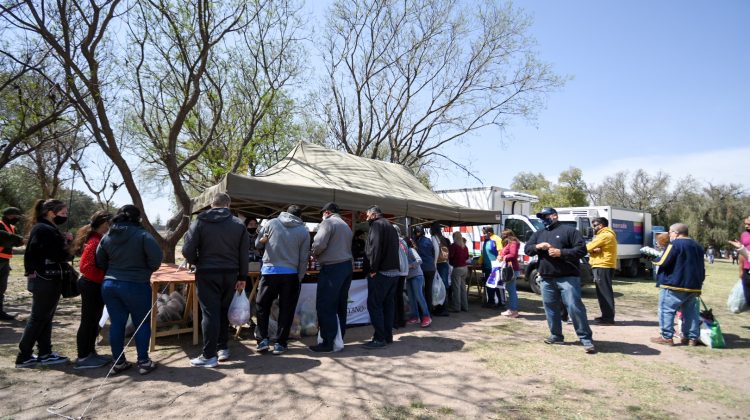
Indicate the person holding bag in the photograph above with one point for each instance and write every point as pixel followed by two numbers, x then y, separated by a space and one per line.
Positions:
pixel 128 255
pixel 415 289
pixel 46 246
pixel 90 286
pixel 509 255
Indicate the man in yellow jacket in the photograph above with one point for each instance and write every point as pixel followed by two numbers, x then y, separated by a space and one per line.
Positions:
pixel 603 259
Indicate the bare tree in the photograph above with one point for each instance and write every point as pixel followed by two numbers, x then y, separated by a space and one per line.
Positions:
pixel 407 77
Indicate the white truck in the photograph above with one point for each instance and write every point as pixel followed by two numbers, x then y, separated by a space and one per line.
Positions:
pixel 515 208
pixel 632 227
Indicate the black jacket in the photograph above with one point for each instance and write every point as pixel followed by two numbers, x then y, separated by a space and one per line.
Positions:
pixel 571 245
pixel 382 246
pixel 46 243
pixel 217 242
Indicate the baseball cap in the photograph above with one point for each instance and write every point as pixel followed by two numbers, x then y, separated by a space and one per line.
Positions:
pixel 546 212
pixel 12 211
pixel 331 206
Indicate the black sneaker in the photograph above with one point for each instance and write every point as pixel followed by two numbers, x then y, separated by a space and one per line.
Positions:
pixel 603 321
pixel 121 367
pixel 374 344
pixel 25 363
pixel 319 348
pixel 52 359
pixel 4 316
pixel 146 366
pixel 553 340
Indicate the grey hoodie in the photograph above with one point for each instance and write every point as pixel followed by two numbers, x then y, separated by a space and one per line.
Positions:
pixel 128 253
pixel 288 243
pixel 333 242
pixel 217 242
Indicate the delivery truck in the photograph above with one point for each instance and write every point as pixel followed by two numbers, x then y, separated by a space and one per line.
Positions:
pixel 515 208
pixel 632 227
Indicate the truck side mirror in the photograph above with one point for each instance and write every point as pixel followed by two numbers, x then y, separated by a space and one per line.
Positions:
pixel 588 233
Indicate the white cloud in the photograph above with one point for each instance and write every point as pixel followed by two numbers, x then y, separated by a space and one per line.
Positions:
pixel 716 166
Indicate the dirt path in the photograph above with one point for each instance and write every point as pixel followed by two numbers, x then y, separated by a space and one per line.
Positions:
pixel 469 365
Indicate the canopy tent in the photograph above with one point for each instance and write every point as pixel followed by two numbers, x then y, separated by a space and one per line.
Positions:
pixel 312 175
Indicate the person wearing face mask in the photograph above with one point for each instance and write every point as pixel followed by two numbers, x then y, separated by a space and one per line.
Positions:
pixel 90 285
pixel 251 225
pixel 332 248
pixel 603 259
pixel 559 249
pixel 46 245
pixel 8 239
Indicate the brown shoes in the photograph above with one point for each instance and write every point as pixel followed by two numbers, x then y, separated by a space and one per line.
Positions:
pixel 662 340
pixel 690 342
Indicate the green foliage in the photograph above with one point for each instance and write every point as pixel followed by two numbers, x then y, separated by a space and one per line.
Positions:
pixel 570 191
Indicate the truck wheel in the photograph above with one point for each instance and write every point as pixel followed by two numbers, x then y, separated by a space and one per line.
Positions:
pixel 532 279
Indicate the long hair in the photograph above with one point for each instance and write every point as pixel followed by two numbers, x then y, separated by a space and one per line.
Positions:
pixel 85 232
pixel 40 209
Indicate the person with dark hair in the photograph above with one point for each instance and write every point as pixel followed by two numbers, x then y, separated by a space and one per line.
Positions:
pixel 415 289
pixel 251 225
pixel 560 248
pixel 681 275
pixel 128 255
pixel 216 244
pixel 46 246
pixel 358 244
pixel 441 246
pixel 382 251
pixel 744 262
pixel 458 255
pixel 90 286
pixel 509 254
pixel 426 252
pixel 8 239
pixel 332 248
pixel 287 247
pixel 603 259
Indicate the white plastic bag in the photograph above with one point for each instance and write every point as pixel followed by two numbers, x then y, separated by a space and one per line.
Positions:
pixel 338 342
pixel 438 290
pixel 736 299
pixel 239 310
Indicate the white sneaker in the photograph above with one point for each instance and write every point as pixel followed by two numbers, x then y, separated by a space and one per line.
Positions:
pixel 223 355
pixel 201 361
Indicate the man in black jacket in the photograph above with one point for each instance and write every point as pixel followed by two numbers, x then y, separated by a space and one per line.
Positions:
pixel 217 245
pixel 559 249
pixel 382 252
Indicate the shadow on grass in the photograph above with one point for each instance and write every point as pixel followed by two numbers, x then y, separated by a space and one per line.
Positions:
pixel 632 349
pixel 734 341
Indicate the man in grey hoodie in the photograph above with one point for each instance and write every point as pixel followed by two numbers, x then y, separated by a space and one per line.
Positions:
pixel 287 244
pixel 333 248
pixel 217 245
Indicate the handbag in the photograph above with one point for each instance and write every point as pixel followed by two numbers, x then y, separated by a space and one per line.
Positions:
pixel 65 274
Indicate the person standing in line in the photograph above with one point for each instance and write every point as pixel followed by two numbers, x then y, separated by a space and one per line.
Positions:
pixel 681 275
pixel 509 255
pixel 458 255
pixel 287 247
pixel 603 259
pixel 560 249
pixel 426 251
pixel 358 244
pixel 415 289
pixel 491 248
pixel 128 255
pixel 217 245
pixel 382 251
pixel 90 286
pixel 46 245
pixel 8 239
pixel 441 246
pixel 400 317
pixel 332 247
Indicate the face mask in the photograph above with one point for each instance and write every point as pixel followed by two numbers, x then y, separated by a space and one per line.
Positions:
pixel 252 230
pixel 547 221
pixel 369 221
pixel 59 220
pixel 12 221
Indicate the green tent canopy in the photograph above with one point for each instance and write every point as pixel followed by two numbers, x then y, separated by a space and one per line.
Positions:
pixel 312 175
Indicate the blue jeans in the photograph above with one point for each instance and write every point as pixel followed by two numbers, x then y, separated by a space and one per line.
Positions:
pixel 567 290
pixel 672 300
pixel 416 296
pixel 512 293
pixel 331 299
pixel 125 298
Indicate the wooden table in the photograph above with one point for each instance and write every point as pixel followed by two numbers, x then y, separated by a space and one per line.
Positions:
pixel 164 280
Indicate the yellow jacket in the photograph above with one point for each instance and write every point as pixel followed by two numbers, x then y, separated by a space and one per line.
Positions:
pixel 606 241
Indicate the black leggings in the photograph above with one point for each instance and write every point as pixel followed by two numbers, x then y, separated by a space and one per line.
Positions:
pixel 92 306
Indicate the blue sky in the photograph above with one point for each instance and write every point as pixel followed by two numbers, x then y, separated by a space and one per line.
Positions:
pixel 658 85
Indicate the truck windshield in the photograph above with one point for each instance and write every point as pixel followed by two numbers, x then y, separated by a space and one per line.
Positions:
pixel 538 225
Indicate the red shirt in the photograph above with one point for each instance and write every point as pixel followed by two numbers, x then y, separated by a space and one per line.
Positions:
pixel 510 254
pixel 457 255
pixel 88 259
